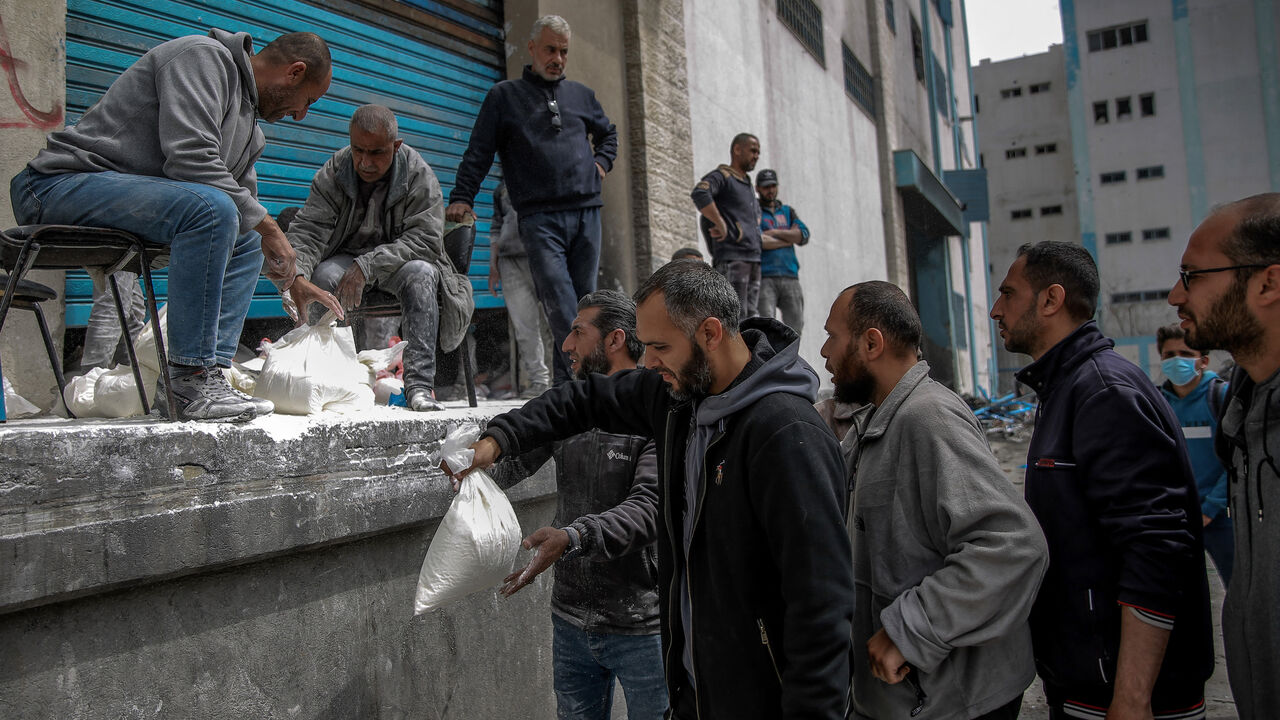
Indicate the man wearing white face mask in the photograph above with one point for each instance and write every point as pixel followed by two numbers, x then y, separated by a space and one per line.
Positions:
pixel 1196 395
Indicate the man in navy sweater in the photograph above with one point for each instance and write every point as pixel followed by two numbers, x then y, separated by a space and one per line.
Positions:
pixel 539 125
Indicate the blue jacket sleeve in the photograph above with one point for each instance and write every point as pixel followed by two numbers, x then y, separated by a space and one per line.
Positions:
pixel 796 222
pixel 478 158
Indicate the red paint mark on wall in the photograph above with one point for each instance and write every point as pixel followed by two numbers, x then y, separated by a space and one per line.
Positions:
pixel 44 120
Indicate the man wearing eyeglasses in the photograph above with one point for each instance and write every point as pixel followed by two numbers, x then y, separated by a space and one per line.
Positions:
pixel 556 145
pixel 1121 624
pixel 1228 297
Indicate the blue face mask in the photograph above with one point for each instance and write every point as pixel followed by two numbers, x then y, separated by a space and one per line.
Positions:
pixel 1180 370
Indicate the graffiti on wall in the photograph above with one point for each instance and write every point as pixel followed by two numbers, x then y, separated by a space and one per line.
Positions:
pixel 32 117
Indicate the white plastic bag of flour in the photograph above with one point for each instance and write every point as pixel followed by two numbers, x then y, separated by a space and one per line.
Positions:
pixel 476 544
pixel 314 368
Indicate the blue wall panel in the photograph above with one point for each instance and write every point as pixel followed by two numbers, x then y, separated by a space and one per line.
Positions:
pixel 435 92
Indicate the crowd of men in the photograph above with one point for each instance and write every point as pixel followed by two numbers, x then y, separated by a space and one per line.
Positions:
pixel 722 548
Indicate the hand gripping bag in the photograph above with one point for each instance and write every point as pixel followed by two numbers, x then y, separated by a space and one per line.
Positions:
pixel 476 544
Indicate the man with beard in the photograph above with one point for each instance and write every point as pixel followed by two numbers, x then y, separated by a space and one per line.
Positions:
pixel 731 220
pixel 1228 297
pixel 1122 618
pixel 374 219
pixel 754 566
pixel 168 154
pixel 946 556
pixel 556 145
pixel 604 604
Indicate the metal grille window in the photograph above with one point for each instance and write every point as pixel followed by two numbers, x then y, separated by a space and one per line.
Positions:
pixel 1020 214
pixel 1156 234
pixel 1039 88
pixel 940 93
pixel 1109 178
pixel 889 18
pixel 1149 173
pixel 1100 112
pixel 1124 108
pixel 1118 36
pixel 1013 153
pixel 804 19
pixel 1051 210
pixel 1011 93
pixel 917 49
pixel 1119 238
pixel 1147 104
pixel 1047 148
pixel 858 83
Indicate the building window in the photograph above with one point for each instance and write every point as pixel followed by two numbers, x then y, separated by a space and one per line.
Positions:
pixel 917 49
pixel 1110 178
pixel 1124 108
pixel 1150 173
pixel 1118 36
pixel 982 160
pixel 1140 296
pixel 1156 234
pixel 1100 113
pixel 1119 238
pixel 889 18
pixel 1039 88
pixel 1013 153
pixel 858 83
pixel 1158 294
pixel 1020 214
pixel 1147 104
pixel 977 108
pixel 1047 149
pixel 1011 93
pixel 1050 210
pixel 941 97
pixel 804 18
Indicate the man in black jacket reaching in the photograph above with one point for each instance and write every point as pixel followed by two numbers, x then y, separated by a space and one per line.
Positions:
pixel 604 605
pixel 755 571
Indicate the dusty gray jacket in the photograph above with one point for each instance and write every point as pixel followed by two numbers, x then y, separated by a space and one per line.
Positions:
pixel 947 557
pixel 186 110
pixel 414 216
pixel 1251 611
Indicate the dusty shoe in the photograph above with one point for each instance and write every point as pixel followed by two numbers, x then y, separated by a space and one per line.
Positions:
pixel 263 406
pixel 533 391
pixel 423 400
pixel 203 394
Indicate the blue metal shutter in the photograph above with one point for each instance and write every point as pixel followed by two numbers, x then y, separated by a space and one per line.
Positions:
pixel 431 64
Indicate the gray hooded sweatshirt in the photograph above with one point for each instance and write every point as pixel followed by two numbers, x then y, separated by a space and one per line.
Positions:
pixel 771 369
pixel 947 557
pixel 186 110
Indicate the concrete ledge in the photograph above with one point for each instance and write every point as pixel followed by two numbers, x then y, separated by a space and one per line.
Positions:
pixel 88 506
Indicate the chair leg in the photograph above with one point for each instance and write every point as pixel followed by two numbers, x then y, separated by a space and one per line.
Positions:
pixel 20 268
pixel 128 343
pixel 144 264
pixel 54 363
pixel 466 369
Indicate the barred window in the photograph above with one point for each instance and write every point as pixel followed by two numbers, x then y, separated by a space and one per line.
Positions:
pixel 917 48
pixel 1113 37
pixel 1039 88
pixel 1014 153
pixel 1156 234
pixel 858 83
pixel 1050 210
pixel 1012 92
pixel 1109 178
pixel 1148 173
pixel 804 18
pixel 1119 238
pixel 1047 148
pixel 1020 214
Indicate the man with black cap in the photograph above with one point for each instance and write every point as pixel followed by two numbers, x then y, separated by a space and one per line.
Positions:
pixel 780 232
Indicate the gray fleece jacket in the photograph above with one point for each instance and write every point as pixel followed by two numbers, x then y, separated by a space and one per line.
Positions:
pixel 1251 611
pixel 413 216
pixel 947 557
pixel 186 110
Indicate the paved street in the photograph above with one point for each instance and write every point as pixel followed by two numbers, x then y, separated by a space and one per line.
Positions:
pixel 1013 457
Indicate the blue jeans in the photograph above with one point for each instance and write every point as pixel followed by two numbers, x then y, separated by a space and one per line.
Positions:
pixel 213 267
pixel 414 285
pixel 586 664
pixel 1220 543
pixel 564 256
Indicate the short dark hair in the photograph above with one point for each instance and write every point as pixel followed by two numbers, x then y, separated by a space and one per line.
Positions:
pixel 1256 238
pixel 1174 332
pixel 885 307
pixel 687 253
pixel 692 292
pixel 305 47
pixel 1050 262
pixel 617 312
pixel 741 138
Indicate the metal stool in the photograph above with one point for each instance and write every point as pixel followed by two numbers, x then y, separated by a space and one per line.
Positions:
pixel 66 247
pixel 27 296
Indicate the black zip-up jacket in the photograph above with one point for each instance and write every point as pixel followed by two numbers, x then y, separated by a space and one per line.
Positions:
pixel 546 169
pixel 770 570
pixel 607 491
pixel 1109 479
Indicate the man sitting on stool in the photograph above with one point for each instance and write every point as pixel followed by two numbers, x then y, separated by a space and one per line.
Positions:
pixel 375 218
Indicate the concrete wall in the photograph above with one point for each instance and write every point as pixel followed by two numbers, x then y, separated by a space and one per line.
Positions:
pixel 264 570
pixel 32 39
pixel 749 73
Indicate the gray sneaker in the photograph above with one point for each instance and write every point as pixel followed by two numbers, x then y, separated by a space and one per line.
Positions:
pixel 263 406
pixel 203 394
